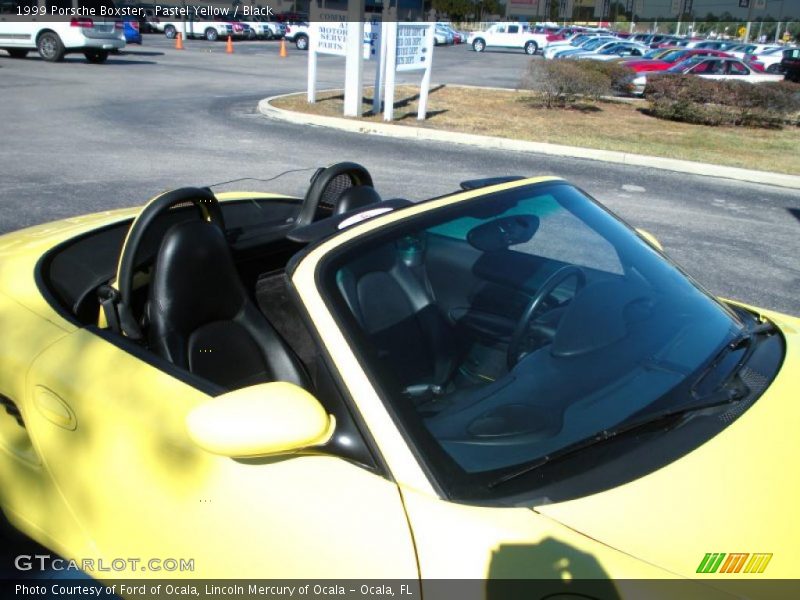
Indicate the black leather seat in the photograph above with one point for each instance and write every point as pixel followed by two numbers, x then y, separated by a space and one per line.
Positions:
pixel 202 319
pixel 390 301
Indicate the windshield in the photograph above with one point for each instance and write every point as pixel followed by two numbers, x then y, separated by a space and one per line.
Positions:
pixel 595 43
pixel 614 48
pixel 682 66
pixel 654 53
pixel 503 329
pixel 673 56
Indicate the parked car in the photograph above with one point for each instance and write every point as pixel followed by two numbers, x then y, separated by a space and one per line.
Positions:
pixel 586 44
pixel 742 50
pixel 505 382
pixel 508 35
pixel 791 64
pixel 443 36
pixel 617 51
pixel 653 54
pixel 131 28
pixel 662 41
pixel 718 44
pixel 446 28
pixel 768 61
pixel 211 30
pixel 297 33
pixel 151 21
pixel 593 47
pixel 670 58
pixel 708 68
pixel 574 41
pixel 94 38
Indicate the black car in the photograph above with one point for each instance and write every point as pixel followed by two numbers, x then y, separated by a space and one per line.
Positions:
pixel 790 64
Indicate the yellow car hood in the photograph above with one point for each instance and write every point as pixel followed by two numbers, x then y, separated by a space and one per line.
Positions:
pixel 737 493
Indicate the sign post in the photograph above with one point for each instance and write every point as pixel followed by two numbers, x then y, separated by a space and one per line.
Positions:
pixel 353 78
pixel 323 38
pixel 409 48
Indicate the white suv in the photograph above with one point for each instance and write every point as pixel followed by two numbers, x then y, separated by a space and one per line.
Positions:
pixel 95 39
pixel 266 30
pixel 207 29
pixel 508 35
pixel 298 33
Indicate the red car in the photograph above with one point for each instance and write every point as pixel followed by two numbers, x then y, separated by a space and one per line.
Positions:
pixel 670 59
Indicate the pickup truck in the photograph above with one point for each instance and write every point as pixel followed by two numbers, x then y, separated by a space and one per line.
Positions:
pixel 508 35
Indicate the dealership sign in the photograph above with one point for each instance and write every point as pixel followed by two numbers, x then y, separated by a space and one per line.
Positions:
pixel 409 47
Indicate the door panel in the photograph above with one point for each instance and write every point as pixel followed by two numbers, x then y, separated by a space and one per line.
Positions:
pixel 140 488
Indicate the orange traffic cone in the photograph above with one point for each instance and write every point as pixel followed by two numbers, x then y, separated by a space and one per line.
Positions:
pixel 229 46
pixel 179 42
pixel 283 48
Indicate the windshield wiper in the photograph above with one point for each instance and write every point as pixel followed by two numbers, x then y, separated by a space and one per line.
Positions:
pixel 727 392
pixel 720 398
pixel 742 340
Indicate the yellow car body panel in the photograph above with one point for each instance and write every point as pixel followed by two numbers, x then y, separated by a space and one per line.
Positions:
pixel 130 481
pixel 139 487
pixel 457 541
pixel 734 496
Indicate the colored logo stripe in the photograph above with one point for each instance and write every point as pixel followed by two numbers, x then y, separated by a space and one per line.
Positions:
pixel 758 563
pixel 734 563
pixel 710 562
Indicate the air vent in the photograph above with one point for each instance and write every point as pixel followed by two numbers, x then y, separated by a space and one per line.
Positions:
pixel 757 383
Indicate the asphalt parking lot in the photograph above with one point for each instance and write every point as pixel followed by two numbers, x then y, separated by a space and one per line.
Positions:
pixel 79 138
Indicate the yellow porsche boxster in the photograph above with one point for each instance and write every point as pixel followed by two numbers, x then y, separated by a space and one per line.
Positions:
pixel 504 382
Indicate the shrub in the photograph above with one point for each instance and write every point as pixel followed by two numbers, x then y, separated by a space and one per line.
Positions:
pixel 562 82
pixel 723 102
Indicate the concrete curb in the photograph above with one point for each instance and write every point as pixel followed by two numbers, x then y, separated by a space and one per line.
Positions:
pixel 483 141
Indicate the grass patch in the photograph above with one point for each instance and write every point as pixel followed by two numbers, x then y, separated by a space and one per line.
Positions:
pixel 606 125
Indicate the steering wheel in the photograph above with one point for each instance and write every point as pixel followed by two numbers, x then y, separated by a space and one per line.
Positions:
pixel 536 303
pixel 208 210
pixel 327 185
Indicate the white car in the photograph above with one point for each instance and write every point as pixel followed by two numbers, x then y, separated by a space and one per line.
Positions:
pixel 508 35
pixel 94 38
pixel 577 41
pixel 590 48
pixel 210 30
pixel 769 60
pixel 708 67
pixel 298 33
pixel 616 52
pixel 266 30
pixel 587 45
pixel 743 50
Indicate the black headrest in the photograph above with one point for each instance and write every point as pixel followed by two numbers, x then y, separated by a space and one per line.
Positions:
pixel 355 197
pixel 195 280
